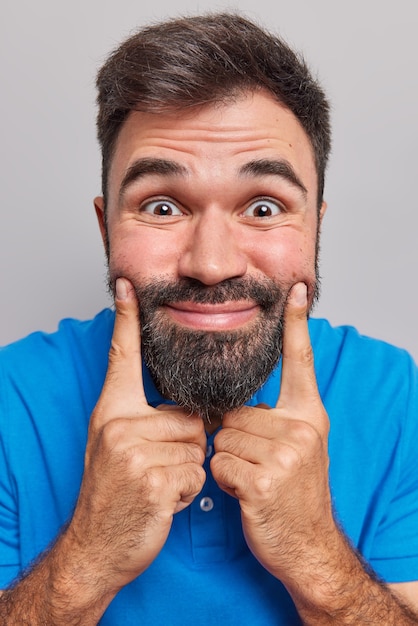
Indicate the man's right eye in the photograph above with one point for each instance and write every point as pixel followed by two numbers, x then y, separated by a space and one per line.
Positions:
pixel 161 207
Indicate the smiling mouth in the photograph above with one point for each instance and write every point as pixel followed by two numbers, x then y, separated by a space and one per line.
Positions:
pixel 223 316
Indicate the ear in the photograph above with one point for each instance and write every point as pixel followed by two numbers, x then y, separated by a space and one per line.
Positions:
pixel 100 213
pixel 322 211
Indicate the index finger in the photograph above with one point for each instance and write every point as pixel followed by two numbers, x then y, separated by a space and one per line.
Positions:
pixel 124 373
pixel 298 382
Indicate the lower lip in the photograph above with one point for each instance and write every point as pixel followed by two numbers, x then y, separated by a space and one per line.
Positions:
pixel 222 321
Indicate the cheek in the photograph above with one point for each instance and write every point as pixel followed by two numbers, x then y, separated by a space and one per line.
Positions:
pixel 288 259
pixel 139 255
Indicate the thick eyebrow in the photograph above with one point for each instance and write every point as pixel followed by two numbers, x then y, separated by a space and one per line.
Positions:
pixel 273 167
pixel 149 166
pixel 165 167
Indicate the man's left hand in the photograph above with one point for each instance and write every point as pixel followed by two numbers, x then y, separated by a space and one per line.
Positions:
pixel 275 461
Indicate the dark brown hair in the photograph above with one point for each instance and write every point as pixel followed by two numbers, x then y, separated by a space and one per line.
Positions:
pixel 192 61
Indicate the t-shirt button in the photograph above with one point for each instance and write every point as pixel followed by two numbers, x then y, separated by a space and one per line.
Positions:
pixel 206 504
pixel 209 451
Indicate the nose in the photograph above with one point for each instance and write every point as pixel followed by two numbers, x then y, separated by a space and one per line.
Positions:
pixel 213 252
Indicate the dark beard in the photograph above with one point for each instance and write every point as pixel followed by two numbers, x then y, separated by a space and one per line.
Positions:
pixel 211 373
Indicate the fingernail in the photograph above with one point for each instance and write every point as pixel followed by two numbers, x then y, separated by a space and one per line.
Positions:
pixel 300 294
pixel 121 289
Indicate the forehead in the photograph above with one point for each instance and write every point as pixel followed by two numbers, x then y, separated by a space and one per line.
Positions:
pixel 216 140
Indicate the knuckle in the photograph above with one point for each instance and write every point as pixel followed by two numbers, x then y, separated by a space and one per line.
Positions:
pixel 229 440
pixel 302 356
pixel 306 437
pixel 304 433
pixel 215 462
pixel 153 487
pixel 219 466
pixel 198 476
pixel 304 444
pixel 164 485
pixel 198 454
pixel 116 442
pixel 116 352
pixel 113 433
pixel 191 476
pixel 176 424
pixel 190 453
pixel 157 482
pixel 289 459
pixel 221 439
pixel 307 356
pixel 156 479
pixel 262 484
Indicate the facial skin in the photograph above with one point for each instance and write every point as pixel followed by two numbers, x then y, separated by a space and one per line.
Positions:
pixel 218 208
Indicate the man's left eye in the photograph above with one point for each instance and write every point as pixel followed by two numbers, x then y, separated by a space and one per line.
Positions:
pixel 263 208
pixel 162 208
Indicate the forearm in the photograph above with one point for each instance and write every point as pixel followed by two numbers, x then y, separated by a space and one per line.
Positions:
pixel 59 590
pixel 349 593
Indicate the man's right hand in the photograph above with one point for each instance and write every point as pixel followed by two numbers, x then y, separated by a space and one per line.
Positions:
pixel 142 464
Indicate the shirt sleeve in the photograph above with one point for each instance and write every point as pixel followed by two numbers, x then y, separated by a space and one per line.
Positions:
pixel 395 549
pixel 9 528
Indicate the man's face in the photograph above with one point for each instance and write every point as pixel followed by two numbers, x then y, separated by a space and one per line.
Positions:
pixel 212 215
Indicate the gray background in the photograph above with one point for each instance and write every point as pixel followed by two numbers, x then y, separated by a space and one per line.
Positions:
pixel 365 52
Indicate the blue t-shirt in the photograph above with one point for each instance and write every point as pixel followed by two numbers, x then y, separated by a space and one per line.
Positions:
pixel 205 573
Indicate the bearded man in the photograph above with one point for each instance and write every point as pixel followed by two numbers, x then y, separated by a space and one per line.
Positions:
pixel 184 460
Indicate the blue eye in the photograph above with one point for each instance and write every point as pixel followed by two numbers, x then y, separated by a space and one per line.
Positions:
pixel 162 208
pixel 263 208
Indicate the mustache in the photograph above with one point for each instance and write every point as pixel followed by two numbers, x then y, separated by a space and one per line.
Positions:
pixel 264 292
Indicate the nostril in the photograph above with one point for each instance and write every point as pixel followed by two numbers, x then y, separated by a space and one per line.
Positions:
pixel 213 255
pixel 210 271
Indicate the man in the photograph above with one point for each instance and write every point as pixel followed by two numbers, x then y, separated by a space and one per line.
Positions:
pixel 227 478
